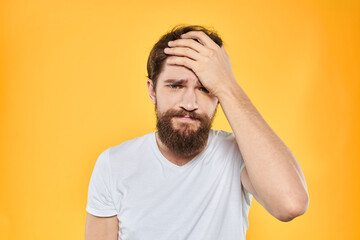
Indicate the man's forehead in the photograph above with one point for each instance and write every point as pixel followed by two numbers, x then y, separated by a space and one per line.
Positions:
pixel 176 72
pixel 176 68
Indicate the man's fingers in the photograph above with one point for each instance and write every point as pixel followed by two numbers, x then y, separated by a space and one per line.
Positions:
pixel 182 61
pixel 202 37
pixel 183 51
pixel 190 43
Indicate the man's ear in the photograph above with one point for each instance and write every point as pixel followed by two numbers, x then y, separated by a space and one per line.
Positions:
pixel 151 90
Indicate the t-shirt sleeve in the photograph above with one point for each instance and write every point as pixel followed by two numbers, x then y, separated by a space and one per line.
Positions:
pixel 245 194
pixel 100 202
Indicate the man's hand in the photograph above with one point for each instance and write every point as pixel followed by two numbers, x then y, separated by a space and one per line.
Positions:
pixel 209 62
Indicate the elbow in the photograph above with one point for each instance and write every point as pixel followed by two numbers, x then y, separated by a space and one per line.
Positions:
pixel 294 209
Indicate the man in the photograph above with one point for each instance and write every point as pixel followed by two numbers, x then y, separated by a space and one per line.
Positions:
pixel 187 181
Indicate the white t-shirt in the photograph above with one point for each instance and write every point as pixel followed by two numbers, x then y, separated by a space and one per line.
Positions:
pixel 156 199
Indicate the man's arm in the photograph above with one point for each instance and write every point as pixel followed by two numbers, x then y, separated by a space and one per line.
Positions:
pixel 272 173
pixel 101 228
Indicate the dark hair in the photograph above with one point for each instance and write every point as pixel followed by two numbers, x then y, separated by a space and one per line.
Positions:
pixel 157 56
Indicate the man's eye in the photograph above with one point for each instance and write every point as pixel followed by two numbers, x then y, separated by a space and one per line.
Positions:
pixel 204 90
pixel 174 86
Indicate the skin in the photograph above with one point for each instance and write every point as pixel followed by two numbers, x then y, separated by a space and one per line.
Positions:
pixel 272 174
pixel 104 228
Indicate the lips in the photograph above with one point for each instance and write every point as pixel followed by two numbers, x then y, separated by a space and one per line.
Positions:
pixel 186 118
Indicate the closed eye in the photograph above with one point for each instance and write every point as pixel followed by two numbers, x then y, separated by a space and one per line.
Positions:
pixel 204 90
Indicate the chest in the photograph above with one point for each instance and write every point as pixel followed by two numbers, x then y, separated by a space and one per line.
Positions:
pixel 156 201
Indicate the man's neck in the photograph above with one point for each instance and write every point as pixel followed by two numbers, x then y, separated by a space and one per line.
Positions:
pixel 173 157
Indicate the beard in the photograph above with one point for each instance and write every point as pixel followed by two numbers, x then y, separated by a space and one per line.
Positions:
pixel 186 140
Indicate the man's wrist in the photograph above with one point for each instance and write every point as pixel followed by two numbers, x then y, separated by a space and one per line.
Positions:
pixel 231 90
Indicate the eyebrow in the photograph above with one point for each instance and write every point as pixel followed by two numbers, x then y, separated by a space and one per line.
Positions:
pixel 179 81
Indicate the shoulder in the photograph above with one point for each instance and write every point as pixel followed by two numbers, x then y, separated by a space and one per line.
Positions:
pixel 222 136
pixel 128 153
pixel 131 146
pixel 225 142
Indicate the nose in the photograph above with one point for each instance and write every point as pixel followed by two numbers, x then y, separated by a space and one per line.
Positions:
pixel 189 100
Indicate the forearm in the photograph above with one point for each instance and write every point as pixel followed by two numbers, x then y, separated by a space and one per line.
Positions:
pixel 272 169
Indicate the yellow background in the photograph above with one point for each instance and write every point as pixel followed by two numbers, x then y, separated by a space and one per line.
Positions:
pixel 73 83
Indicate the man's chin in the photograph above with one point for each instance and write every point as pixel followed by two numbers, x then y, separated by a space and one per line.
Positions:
pixel 183 135
pixel 186 129
pixel 184 125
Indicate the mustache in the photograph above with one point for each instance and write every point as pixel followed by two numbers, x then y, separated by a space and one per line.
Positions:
pixel 183 113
